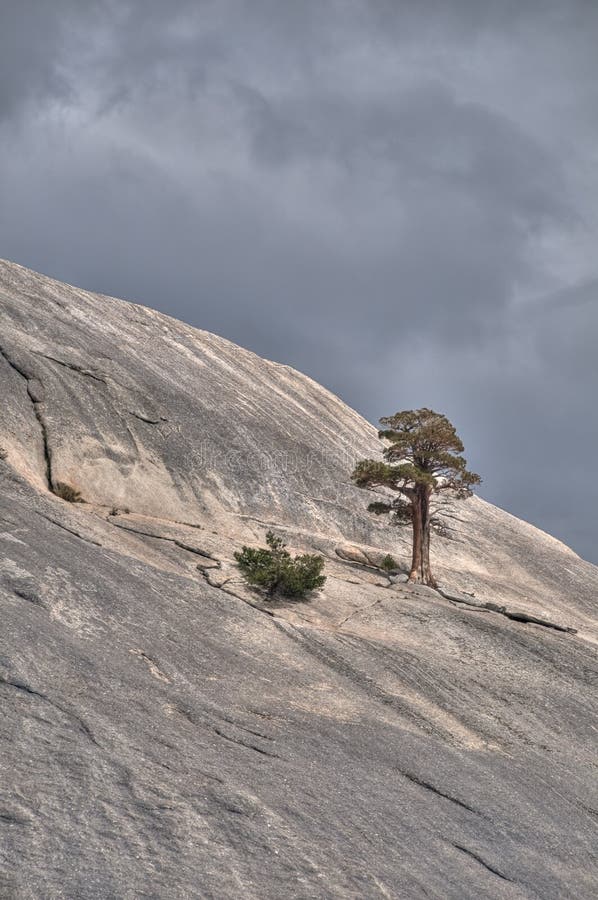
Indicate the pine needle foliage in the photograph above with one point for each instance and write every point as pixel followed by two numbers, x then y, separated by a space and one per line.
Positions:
pixel 275 571
pixel 67 492
pixel 389 564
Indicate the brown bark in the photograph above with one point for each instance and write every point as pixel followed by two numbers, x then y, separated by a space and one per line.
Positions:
pixel 416 553
pixel 420 518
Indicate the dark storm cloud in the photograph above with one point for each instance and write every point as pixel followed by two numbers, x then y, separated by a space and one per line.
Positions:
pixel 395 197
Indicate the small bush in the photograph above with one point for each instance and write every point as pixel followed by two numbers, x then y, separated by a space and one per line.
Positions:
pixel 67 492
pixel 388 564
pixel 3 453
pixel 274 570
pixel 120 511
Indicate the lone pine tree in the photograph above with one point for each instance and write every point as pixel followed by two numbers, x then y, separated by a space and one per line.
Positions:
pixel 422 457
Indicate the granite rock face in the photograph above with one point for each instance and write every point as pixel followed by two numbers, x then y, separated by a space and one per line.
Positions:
pixel 168 734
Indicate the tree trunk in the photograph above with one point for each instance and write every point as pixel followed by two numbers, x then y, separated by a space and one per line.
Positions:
pixel 420 519
pixel 427 576
pixel 416 554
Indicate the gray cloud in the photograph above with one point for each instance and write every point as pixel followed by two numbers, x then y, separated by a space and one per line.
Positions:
pixel 29 57
pixel 397 198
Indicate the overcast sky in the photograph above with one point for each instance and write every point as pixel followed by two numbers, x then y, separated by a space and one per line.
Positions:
pixel 398 198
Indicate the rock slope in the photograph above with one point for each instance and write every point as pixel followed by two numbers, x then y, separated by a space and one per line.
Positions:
pixel 166 734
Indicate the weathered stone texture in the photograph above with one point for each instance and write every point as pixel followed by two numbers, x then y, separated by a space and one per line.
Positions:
pixel 167 734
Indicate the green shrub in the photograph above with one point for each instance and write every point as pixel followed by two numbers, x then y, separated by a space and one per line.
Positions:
pixel 388 564
pixel 67 492
pixel 274 570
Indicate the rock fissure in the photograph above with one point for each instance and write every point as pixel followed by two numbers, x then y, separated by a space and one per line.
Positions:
pixel 430 787
pixel 259 734
pixel 38 415
pixel 29 595
pixel 280 525
pixel 13 819
pixel 72 366
pixel 152 665
pixel 225 590
pixel 482 862
pixel 26 689
pixel 515 615
pixel 69 530
pixel 146 419
pixel 248 746
pixel 161 537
